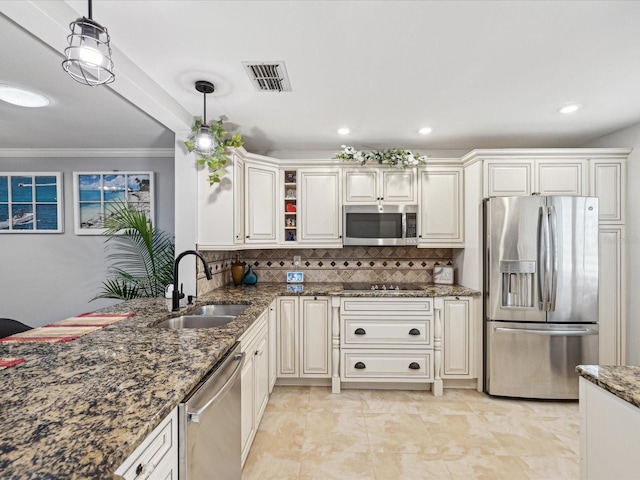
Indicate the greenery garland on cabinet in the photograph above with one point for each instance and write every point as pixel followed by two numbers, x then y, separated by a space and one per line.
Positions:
pixel 217 161
pixel 392 157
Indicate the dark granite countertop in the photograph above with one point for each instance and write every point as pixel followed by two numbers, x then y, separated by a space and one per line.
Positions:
pixel 623 381
pixel 77 410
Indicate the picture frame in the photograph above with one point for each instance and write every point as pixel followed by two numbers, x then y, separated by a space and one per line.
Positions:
pixel 95 192
pixel 295 277
pixel 31 202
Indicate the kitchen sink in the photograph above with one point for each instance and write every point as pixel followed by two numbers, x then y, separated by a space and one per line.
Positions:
pixel 195 321
pixel 207 310
pixel 206 316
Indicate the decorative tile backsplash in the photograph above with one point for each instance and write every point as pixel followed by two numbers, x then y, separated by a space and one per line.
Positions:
pixel 348 264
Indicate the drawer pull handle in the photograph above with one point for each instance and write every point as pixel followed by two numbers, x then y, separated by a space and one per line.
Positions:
pixel 360 331
pixel 414 366
pixel 360 365
pixel 414 331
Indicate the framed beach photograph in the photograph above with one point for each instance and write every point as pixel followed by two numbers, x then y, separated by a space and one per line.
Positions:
pixel 94 193
pixel 31 202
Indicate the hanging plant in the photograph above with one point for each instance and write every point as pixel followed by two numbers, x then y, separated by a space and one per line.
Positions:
pixel 217 160
pixel 393 157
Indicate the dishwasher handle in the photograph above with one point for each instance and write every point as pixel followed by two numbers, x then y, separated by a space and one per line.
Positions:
pixel 194 417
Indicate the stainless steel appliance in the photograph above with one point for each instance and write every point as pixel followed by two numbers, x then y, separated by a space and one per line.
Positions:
pixel 379 225
pixel 541 294
pixel 391 287
pixel 209 442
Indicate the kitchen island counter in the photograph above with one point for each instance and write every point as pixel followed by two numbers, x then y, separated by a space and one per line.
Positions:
pixel 78 409
pixel 621 381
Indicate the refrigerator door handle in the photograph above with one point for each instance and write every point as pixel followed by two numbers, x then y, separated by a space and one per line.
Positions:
pixel 553 250
pixel 543 277
pixel 560 333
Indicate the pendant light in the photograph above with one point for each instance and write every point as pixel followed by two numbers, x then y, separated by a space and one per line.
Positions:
pixel 204 143
pixel 89 54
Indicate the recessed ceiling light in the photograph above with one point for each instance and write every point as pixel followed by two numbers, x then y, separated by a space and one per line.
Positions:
pixel 425 130
pixel 343 131
pixel 570 108
pixel 22 98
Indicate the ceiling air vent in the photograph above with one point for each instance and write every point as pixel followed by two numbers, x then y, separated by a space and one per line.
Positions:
pixel 268 76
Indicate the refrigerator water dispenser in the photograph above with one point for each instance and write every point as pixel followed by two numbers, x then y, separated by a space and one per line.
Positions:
pixel 518 283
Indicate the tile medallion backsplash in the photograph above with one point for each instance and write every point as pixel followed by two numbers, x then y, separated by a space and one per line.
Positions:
pixel 348 264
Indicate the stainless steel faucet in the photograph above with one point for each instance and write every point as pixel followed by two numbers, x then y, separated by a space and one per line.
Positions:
pixel 177 295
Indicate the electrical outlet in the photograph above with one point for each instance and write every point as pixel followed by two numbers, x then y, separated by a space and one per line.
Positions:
pixel 296 260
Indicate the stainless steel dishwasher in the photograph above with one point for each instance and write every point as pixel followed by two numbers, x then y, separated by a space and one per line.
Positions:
pixel 209 442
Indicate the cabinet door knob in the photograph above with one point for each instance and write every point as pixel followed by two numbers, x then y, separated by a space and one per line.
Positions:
pixel 360 331
pixel 361 366
pixel 247 236
pixel 414 366
pixel 414 331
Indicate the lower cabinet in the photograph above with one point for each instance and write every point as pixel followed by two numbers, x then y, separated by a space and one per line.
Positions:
pixel 386 340
pixel 457 337
pixel 612 292
pixel 254 343
pixel 303 337
pixel 157 457
pixel 273 342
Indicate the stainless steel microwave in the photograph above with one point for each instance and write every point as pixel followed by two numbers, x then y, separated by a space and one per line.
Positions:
pixel 379 225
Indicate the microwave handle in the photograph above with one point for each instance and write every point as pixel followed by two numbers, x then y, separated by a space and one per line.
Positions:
pixel 404 226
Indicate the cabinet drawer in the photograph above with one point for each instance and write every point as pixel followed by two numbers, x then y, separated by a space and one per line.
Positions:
pixel 158 453
pixel 380 333
pixel 375 364
pixel 380 305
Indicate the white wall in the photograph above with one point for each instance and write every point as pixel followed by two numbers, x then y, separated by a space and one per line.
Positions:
pixel 630 138
pixel 47 277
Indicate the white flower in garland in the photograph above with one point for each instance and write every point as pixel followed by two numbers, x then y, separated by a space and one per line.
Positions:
pixel 393 157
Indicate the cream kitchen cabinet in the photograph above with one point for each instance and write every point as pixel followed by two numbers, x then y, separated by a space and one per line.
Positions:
pixel 504 178
pixel 609 440
pixel 607 182
pixel 303 337
pixel 260 200
pixel 157 457
pixel 457 337
pixel 320 207
pixel 273 341
pixel 386 340
pixel 242 209
pixel 373 186
pixel 254 379
pixel 441 222
pixel 611 295
pixel 221 208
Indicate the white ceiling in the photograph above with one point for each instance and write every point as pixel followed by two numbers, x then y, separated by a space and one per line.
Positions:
pixel 482 74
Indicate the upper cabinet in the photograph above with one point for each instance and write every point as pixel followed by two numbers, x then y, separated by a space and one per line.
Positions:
pixel 320 207
pixel 553 177
pixel 372 186
pixel 607 183
pixel 441 207
pixel 260 196
pixel 504 178
pixel 241 209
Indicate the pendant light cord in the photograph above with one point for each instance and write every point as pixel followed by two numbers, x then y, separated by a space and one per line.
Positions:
pixel 90 11
pixel 204 119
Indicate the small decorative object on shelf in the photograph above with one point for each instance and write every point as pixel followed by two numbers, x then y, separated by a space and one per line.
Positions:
pixel 290 208
pixel 291 177
pixel 393 157
pixel 250 278
pixel 291 237
pixel 237 271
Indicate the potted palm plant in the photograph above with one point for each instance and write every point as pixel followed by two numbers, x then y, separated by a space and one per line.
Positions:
pixel 141 257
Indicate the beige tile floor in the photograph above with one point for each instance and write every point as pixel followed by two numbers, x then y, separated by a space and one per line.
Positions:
pixel 309 433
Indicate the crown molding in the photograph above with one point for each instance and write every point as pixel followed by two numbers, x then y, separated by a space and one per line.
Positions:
pixel 87 152
pixel 540 153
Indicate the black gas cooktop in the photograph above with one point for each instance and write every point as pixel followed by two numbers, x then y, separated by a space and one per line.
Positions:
pixel 381 287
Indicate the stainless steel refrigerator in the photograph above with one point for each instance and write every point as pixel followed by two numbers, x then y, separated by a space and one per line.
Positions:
pixel 541 294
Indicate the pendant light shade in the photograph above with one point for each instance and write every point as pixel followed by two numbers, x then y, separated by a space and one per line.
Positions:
pixel 89 54
pixel 204 144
